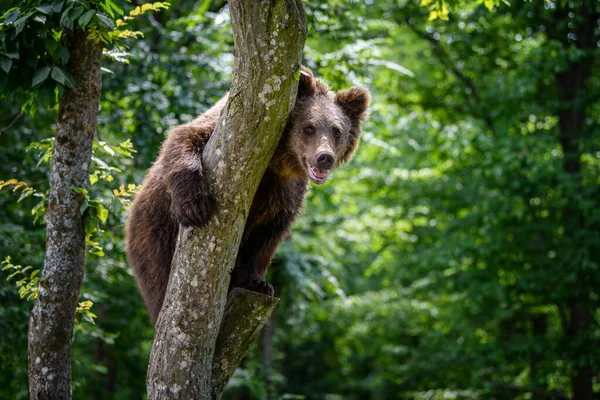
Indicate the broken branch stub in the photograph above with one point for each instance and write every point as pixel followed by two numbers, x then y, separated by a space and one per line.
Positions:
pixel 245 315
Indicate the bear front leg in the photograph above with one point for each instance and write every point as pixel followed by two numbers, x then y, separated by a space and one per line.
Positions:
pixel 191 200
pixel 256 250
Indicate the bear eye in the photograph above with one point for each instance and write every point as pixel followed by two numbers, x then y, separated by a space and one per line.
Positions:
pixel 309 129
pixel 337 133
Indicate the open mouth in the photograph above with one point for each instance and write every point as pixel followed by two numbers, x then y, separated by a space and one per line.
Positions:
pixel 318 176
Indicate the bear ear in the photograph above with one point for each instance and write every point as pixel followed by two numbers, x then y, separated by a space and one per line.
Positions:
pixel 309 85
pixel 306 86
pixel 354 102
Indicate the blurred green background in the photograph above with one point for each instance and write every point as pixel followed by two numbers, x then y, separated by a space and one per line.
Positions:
pixel 456 257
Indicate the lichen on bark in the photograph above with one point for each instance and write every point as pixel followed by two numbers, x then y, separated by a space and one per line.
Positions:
pixel 268 41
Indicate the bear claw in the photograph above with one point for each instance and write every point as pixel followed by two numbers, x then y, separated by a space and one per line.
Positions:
pixel 258 286
pixel 191 200
pixel 194 213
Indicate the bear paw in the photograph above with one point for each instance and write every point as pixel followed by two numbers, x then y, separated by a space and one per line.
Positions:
pixel 194 213
pixel 191 201
pixel 258 286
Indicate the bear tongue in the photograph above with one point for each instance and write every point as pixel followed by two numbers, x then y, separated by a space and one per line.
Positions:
pixel 320 174
pixel 317 175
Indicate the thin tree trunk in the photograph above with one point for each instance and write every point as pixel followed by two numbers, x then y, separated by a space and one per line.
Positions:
pixel 52 318
pixel 539 328
pixel 266 352
pixel 268 41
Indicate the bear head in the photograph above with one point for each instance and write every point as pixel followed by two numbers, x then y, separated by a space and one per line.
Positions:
pixel 323 129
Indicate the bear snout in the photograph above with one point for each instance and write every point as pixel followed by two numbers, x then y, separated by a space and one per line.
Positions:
pixel 325 160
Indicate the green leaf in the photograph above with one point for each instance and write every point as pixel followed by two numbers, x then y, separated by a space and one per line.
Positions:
pixel 20 24
pixel 85 19
pixel 102 213
pixel 297 75
pixel 88 318
pixel 69 80
pixel 62 53
pixel 76 12
pixel 11 16
pixel 93 179
pixel 66 20
pixel 106 21
pixel 58 75
pixel 56 7
pixel 40 18
pixel 40 76
pixel 24 195
pixel 46 97
pixel 45 9
pixel 51 47
pixel 107 149
pixel 14 56
pixel 5 64
pixel 13 275
pixel 106 5
pixel 83 206
pixel 114 6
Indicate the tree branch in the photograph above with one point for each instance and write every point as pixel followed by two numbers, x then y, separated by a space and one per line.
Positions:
pixel 13 122
pixel 268 42
pixel 443 56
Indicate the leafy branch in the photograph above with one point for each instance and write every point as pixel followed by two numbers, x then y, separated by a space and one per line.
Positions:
pixel 440 9
pixel 34 44
pixel 28 282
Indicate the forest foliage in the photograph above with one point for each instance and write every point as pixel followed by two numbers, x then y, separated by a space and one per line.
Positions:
pixel 458 254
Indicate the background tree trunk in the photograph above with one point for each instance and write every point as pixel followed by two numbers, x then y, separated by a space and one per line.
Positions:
pixel 52 318
pixel 266 353
pixel 268 42
pixel 573 96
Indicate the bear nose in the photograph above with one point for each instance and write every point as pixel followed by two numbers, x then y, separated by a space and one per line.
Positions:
pixel 325 160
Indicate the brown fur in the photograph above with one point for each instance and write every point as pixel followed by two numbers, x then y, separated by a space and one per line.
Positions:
pixel 175 192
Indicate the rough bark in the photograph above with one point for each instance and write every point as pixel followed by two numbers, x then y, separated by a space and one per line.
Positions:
pixel 52 318
pixel 268 41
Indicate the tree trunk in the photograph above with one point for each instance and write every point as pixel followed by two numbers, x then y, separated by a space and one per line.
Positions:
pixel 266 352
pixel 539 328
pixel 52 318
pixel 572 93
pixel 268 41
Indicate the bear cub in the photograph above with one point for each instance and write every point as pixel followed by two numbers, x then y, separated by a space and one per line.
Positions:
pixel 322 131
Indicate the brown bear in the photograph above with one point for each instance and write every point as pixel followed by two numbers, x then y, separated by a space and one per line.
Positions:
pixel 323 131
